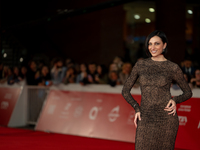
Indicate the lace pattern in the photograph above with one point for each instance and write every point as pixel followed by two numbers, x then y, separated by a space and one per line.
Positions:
pixel 157 130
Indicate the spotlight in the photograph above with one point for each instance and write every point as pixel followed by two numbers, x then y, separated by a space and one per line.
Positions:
pixel 147 20
pixel 137 16
pixel 190 12
pixel 151 9
pixel 21 59
pixel 4 55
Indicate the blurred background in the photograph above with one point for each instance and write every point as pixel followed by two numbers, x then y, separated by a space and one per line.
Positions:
pixel 82 41
pixel 57 47
pixel 99 30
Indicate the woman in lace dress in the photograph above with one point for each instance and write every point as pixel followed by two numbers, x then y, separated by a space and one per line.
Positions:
pixel 156 120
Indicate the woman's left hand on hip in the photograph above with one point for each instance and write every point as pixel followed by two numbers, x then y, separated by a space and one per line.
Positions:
pixel 171 106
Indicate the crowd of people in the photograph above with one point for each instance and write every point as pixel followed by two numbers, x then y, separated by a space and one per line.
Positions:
pixel 64 72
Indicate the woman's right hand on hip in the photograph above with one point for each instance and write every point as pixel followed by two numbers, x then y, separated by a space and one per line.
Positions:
pixel 137 117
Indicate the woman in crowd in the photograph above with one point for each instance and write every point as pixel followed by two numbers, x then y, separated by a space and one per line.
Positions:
pixel 156 120
pixel 113 67
pixel 10 77
pixel 113 79
pixel 82 76
pixel 118 61
pixel 124 74
pixel 32 73
pixel 5 73
pixel 23 72
pixel 101 77
pixel 15 77
pixel 70 76
pixel 188 69
pixel 44 78
pixel 58 71
pixel 195 82
pixel 92 71
pixel 1 70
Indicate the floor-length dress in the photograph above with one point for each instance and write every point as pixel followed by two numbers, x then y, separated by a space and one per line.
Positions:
pixel 157 130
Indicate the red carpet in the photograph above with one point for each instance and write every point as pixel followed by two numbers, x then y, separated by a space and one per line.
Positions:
pixel 21 139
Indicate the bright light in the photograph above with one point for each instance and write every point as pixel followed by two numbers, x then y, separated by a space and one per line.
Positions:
pixel 137 16
pixel 4 55
pixel 190 12
pixel 147 20
pixel 151 9
pixel 21 59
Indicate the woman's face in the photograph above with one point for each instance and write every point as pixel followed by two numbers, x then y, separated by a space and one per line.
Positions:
pixel 33 65
pixel 59 64
pixel 92 68
pixel 113 67
pixel 127 68
pixel 23 70
pixel 71 71
pixel 5 68
pixel 82 68
pixel 188 63
pixel 16 71
pixel 9 71
pixel 156 46
pixel 197 74
pixel 113 76
pixel 45 70
pixel 99 69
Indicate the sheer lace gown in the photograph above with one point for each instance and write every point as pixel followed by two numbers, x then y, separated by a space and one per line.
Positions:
pixel 157 130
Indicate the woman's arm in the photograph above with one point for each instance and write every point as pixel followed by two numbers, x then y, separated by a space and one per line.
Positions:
pixel 128 86
pixel 179 78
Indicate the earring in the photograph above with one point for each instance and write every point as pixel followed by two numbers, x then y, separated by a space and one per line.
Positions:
pixel 163 50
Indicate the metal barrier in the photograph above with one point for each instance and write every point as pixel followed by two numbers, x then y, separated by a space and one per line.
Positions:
pixel 29 104
pixel 36 96
pixel 32 98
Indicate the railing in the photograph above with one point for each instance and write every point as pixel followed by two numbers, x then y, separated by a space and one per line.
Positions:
pixel 32 98
pixel 36 96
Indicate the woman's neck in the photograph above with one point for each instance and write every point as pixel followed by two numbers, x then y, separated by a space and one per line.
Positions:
pixel 158 58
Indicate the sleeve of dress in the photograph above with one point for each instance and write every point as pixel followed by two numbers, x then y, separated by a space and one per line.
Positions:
pixel 128 86
pixel 179 78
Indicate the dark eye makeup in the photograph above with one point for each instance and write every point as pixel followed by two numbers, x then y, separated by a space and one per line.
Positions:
pixel 156 43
